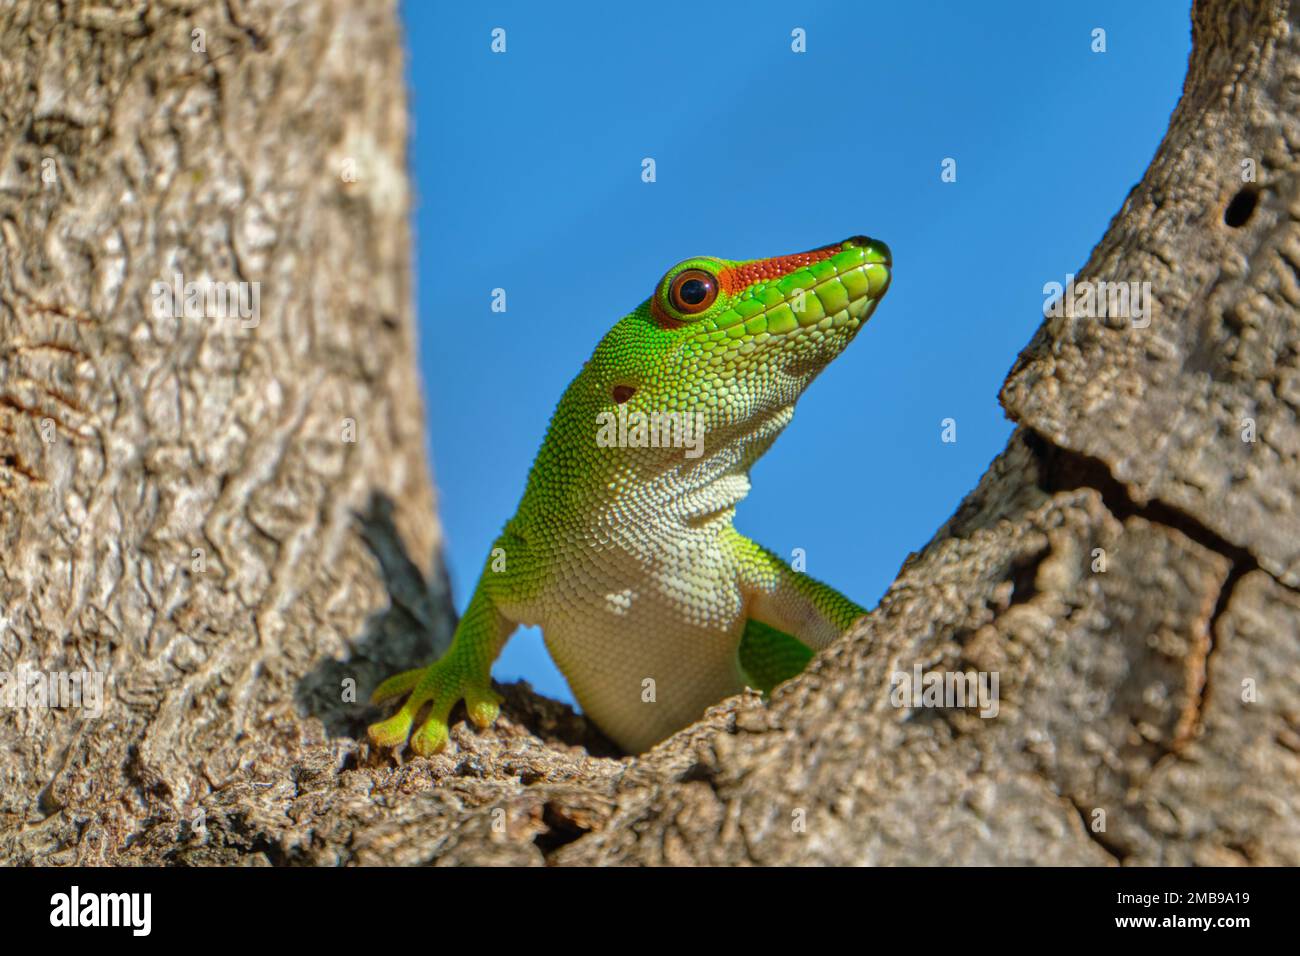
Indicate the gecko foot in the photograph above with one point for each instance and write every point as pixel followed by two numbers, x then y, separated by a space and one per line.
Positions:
pixel 440 685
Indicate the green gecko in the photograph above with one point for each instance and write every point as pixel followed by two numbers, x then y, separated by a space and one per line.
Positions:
pixel 652 605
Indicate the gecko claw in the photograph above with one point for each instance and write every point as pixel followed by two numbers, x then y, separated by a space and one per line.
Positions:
pixel 430 738
pixel 391 732
pixel 483 705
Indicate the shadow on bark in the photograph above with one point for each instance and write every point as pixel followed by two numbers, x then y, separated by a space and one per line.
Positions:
pixel 412 630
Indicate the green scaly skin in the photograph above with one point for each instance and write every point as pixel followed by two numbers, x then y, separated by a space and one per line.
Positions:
pixel 652 605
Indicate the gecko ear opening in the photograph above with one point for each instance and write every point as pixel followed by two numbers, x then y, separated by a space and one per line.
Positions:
pixel 622 393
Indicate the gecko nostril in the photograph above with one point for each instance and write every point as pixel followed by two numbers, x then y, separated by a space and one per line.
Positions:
pixel 622 393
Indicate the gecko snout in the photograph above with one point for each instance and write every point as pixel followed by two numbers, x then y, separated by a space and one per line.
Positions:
pixel 877 251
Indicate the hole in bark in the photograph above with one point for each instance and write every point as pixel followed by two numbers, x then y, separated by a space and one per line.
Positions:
pixel 561 830
pixel 698 772
pixel 1243 204
pixel 1024 573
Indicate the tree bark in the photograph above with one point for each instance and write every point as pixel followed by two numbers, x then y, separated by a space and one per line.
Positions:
pixel 1129 566
pixel 211 512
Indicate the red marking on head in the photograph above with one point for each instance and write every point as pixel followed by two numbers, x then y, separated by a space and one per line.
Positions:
pixel 741 277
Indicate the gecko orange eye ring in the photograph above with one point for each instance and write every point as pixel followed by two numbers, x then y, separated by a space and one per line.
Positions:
pixel 693 291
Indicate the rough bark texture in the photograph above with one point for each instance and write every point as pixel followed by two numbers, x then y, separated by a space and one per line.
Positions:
pixel 179 505
pixel 1161 694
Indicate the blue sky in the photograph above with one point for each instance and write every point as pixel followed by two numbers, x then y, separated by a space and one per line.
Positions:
pixel 527 168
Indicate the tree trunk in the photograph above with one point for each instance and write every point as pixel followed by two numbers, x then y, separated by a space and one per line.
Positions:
pixel 1128 567
pixel 212 512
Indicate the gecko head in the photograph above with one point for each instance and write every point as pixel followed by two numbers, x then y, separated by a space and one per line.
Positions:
pixel 739 341
pixel 727 347
pixel 786 317
pixel 734 303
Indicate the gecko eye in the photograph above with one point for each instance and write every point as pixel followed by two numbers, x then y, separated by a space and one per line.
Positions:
pixel 692 291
